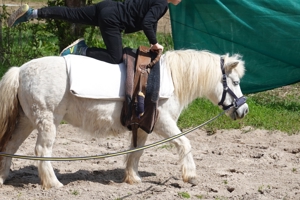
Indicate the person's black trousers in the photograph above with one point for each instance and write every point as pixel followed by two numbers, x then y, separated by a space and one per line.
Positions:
pixel 105 15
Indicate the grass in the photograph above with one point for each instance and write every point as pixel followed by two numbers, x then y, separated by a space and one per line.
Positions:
pixel 75 192
pixel 184 195
pixel 276 109
pixel 272 110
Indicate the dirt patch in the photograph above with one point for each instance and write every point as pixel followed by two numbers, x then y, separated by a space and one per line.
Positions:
pixel 231 164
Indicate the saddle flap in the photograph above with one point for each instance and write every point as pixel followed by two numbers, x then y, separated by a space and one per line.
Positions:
pixel 139 111
pixel 141 73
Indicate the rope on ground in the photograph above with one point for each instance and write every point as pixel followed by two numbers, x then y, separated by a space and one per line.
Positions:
pixel 110 154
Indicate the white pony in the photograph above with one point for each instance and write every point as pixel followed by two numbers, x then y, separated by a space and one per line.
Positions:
pixel 37 96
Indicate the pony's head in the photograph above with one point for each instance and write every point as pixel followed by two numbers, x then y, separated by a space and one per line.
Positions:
pixel 200 74
pixel 228 92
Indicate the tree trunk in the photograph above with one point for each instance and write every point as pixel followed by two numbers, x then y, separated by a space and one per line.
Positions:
pixel 76 29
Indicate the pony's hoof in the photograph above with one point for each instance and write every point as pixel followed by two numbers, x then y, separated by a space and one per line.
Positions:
pixel 54 185
pixel 131 180
pixel 193 181
pixel 1 181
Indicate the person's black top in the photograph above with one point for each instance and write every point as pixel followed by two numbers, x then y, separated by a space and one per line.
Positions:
pixel 143 15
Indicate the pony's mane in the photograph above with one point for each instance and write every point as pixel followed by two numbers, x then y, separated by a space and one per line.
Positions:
pixel 191 69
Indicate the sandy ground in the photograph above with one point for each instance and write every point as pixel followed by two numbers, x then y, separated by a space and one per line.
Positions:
pixel 231 164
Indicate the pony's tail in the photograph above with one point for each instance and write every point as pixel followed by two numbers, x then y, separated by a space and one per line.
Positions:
pixel 9 105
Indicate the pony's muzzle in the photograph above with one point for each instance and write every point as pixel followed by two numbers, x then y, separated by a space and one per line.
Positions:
pixel 239 102
pixel 245 112
pixel 242 111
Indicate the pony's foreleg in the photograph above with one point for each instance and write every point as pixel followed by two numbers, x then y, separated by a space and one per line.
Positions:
pixel 132 160
pixel 21 132
pixel 183 146
pixel 46 136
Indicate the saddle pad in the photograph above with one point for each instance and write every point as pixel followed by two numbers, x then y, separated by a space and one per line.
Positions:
pixel 95 79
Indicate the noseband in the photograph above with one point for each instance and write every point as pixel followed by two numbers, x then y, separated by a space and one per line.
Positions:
pixel 237 102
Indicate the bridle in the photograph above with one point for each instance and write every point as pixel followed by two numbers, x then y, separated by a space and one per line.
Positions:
pixel 237 102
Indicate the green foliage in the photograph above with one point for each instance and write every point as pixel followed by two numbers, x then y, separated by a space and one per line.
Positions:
pixel 66 32
pixel 26 42
pixel 261 189
pixel 199 196
pixel 133 40
pixel 184 195
pixel 75 192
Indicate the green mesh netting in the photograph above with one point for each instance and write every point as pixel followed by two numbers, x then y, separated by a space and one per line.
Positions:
pixel 265 32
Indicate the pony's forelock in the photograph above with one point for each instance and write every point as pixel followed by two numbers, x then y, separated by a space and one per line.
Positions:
pixel 240 69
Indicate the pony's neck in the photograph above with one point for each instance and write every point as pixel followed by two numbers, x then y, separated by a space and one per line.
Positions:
pixel 194 73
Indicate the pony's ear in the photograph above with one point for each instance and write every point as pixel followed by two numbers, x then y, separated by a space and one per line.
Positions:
pixel 231 65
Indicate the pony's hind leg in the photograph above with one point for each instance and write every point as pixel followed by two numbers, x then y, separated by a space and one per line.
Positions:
pixel 188 167
pixel 132 160
pixel 22 130
pixel 46 136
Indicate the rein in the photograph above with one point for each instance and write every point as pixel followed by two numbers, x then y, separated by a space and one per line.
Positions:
pixel 237 102
pixel 110 154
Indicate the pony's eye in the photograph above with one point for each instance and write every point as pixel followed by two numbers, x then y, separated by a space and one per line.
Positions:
pixel 236 82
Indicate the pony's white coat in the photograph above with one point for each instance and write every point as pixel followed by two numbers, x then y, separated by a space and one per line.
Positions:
pixel 44 100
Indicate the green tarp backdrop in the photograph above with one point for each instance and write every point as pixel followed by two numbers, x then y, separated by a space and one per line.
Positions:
pixel 265 32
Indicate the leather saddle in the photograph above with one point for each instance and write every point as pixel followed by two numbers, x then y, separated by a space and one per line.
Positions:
pixel 141 90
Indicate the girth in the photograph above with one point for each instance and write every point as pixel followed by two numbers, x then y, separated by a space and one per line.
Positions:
pixel 141 90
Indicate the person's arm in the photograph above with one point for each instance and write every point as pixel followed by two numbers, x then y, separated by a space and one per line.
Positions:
pixel 149 25
pixel 156 47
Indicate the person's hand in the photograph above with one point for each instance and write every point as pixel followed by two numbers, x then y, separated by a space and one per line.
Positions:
pixel 157 47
